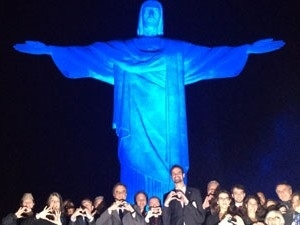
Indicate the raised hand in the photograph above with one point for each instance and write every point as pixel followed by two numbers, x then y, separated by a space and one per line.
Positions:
pixel 78 212
pixel 57 220
pixel 170 197
pixel 21 211
pixel 265 45
pixel 33 47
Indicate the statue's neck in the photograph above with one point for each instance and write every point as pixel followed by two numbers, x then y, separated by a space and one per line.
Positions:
pixel 149 43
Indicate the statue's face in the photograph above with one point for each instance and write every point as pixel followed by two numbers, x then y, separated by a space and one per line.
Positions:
pixel 151 17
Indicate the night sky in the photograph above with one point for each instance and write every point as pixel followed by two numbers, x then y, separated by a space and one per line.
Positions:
pixel 56 133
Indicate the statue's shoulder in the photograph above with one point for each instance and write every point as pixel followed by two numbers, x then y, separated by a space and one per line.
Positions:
pixel 180 44
pixel 108 44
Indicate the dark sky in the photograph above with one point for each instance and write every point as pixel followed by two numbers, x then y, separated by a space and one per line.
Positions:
pixel 56 132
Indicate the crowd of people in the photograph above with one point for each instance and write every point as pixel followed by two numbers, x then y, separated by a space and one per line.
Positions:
pixel 181 206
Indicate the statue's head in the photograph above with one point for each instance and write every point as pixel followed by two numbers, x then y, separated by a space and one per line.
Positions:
pixel 151 19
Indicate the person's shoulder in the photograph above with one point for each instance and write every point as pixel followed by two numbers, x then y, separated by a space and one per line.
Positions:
pixel 43 222
pixel 165 195
pixel 192 189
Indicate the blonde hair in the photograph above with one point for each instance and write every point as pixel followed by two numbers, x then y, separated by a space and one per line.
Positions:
pixel 274 214
pixel 27 196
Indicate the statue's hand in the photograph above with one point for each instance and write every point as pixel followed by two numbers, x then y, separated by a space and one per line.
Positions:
pixel 33 47
pixel 265 45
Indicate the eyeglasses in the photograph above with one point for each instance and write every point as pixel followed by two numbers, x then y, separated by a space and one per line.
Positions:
pixel 153 207
pixel 226 198
pixel 273 218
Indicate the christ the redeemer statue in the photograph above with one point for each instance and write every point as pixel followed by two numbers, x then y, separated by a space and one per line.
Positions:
pixel 149 74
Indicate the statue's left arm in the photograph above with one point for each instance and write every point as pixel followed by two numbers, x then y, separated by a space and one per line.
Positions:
pixel 201 63
pixel 264 46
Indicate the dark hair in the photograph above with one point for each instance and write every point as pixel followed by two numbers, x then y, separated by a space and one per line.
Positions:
pixel 68 204
pixel 56 194
pixel 118 184
pixel 176 166
pixel 283 183
pixel 140 192
pixel 260 212
pixel 238 186
pixel 215 208
pixel 157 198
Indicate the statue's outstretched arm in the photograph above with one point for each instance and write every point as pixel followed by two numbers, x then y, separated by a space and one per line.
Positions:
pixel 33 47
pixel 264 46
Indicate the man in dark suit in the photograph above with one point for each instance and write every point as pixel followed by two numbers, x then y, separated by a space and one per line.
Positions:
pixel 83 214
pixel 120 211
pixel 183 205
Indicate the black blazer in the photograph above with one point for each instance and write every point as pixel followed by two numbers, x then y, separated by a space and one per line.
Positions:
pixel 82 221
pixel 176 214
pixel 109 219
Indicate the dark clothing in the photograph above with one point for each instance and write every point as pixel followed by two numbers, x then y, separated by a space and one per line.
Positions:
pixel 156 221
pixel 11 219
pixel 138 219
pixel 248 221
pixel 288 218
pixel 114 218
pixel 41 221
pixel 109 219
pixel 80 220
pixel 191 214
pixel 212 219
pixel 99 210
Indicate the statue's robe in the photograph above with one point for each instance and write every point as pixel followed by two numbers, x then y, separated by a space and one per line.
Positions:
pixel 149 77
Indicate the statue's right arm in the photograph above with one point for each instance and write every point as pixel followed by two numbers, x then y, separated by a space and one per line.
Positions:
pixel 92 61
pixel 33 47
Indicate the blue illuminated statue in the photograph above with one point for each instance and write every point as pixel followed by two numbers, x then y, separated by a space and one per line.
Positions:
pixel 149 74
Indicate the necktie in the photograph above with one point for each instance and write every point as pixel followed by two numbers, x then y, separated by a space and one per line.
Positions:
pixel 121 214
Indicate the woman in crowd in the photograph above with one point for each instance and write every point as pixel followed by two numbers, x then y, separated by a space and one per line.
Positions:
pixel 274 217
pixel 222 212
pixel 141 200
pixel 254 212
pixel 154 214
pixel 24 215
pixel 53 213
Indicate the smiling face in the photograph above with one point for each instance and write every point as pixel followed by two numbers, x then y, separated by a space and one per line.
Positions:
pixel 177 175
pixel 154 202
pixel 223 201
pixel 252 205
pixel 238 195
pixel 141 201
pixel 54 202
pixel 284 192
pixel 87 204
pixel 120 192
pixel 28 203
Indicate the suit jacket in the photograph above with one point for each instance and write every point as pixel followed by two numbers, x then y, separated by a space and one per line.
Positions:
pixel 114 218
pixel 156 221
pixel 212 219
pixel 137 219
pixel 288 217
pixel 11 219
pixel 191 214
pixel 81 221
